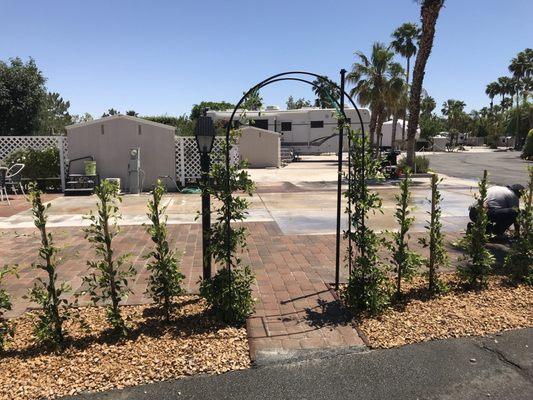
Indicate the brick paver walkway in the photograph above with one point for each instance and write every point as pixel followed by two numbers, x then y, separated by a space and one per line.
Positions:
pixel 295 309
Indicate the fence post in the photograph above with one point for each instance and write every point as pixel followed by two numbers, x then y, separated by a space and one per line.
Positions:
pixel 61 149
pixel 182 160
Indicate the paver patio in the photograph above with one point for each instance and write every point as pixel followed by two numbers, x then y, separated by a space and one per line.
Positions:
pixel 291 249
pixel 295 309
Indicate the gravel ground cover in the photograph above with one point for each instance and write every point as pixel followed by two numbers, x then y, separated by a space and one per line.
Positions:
pixel 95 360
pixel 458 313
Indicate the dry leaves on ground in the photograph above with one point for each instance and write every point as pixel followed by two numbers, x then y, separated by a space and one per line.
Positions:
pixel 95 361
pixel 458 313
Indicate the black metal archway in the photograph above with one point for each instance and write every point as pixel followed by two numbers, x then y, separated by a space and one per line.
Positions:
pixel 335 92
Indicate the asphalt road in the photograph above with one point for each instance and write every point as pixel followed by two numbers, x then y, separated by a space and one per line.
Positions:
pixel 505 168
pixel 497 367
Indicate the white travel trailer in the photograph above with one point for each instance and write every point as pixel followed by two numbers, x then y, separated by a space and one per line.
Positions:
pixel 306 130
pixel 386 131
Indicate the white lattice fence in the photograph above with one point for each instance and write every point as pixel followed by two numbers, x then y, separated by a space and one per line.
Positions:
pixel 188 157
pixel 9 144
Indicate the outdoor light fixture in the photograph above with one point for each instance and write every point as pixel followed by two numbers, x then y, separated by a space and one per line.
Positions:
pixel 204 131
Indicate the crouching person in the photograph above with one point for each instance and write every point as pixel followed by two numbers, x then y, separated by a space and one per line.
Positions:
pixel 502 206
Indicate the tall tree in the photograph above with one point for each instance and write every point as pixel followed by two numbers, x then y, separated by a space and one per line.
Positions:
pixel 374 78
pixel 429 13
pixel 522 69
pixel 297 104
pixel 197 109
pixel 404 43
pixel 427 105
pixel 110 112
pixel 253 102
pixel 326 93
pixel 132 113
pixel 492 91
pixel 22 94
pixel 54 115
pixel 506 86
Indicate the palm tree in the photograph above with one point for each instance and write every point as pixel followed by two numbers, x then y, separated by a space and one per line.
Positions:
pixel 427 105
pixel 404 44
pixel 429 13
pixel 492 90
pixel 522 66
pixel 395 100
pixel 522 69
pixel 506 87
pixel 375 78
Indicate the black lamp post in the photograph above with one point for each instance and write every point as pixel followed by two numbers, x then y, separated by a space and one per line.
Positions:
pixel 204 132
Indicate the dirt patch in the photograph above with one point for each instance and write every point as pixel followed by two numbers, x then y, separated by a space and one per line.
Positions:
pixel 458 313
pixel 96 361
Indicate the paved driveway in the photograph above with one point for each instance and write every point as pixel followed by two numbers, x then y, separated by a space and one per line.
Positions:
pixel 504 168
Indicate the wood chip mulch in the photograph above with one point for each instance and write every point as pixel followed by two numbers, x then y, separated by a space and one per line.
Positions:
pixel 96 360
pixel 458 313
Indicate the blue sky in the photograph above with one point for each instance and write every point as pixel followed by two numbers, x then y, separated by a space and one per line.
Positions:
pixel 160 57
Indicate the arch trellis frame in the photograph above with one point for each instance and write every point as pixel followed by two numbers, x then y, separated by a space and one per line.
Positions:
pixel 339 105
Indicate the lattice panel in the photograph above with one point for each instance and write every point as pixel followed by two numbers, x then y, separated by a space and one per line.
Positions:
pixel 188 157
pixel 8 144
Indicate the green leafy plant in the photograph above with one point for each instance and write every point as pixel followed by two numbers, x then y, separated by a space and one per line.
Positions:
pixel 405 260
pixel 368 288
pixel 38 163
pixel 54 309
pixel 165 279
pixel 527 152
pixel 478 259
pixel 108 282
pixel 438 257
pixel 229 292
pixel 519 259
pixel 421 164
pixel 6 328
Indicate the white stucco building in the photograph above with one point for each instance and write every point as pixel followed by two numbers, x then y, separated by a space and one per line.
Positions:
pixel 306 130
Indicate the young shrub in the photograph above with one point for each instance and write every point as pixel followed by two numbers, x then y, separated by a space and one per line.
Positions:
pixel 405 260
pixel 421 164
pixel 519 259
pixel 6 328
pixel 527 152
pixel 54 310
pixel 438 256
pixel 228 293
pixel 108 283
pixel 165 279
pixel 368 288
pixel 479 260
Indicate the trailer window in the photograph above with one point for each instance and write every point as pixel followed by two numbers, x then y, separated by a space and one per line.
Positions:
pixel 286 126
pixel 317 124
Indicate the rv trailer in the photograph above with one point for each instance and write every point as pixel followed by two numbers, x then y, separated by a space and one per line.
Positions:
pixel 306 130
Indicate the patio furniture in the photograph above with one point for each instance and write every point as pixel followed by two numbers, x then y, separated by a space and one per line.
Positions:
pixel 3 190
pixel 14 177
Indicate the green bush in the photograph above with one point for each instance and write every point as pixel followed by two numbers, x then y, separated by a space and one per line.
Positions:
pixel 6 328
pixel 528 148
pixel 229 294
pixel 38 163
pixel 518 260
pixel 421 164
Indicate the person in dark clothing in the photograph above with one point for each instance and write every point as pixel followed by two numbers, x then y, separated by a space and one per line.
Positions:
pixel 502 208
